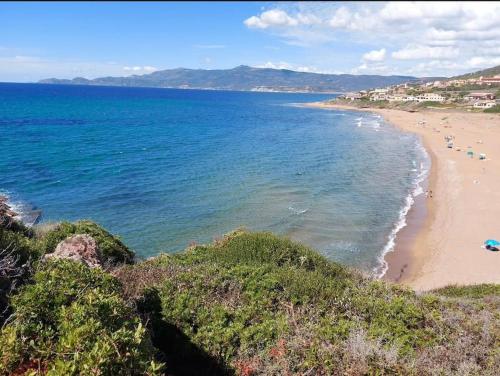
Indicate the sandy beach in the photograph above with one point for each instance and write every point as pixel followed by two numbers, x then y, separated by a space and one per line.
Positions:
pixel 442 243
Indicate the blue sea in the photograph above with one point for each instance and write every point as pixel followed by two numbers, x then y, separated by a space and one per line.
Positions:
pixel 163 168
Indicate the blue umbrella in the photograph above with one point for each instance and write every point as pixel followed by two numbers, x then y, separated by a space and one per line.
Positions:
pixel 492 243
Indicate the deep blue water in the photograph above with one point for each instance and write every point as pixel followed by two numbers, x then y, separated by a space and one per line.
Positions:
pixel 162 167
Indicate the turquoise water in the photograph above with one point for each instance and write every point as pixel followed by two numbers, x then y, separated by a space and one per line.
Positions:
pixel 163 168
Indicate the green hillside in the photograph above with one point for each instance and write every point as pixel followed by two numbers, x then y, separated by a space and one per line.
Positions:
pixel 490 72
pixel 248 304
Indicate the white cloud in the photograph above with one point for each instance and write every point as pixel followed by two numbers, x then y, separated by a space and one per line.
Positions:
pixel 308 19
pixel 271 18
pixel 210 46
pixel 439 67
pixel 29 68
pixel 295 67
pixel 140 69
pixel 375 55
pixel 409 32
pixel 376 68
pixel 425 52
pixel 481 61
pixel 26 59
pixel 341 19
pixel 278 65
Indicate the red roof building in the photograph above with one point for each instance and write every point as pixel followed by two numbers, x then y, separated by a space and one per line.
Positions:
pixel 482 96
pixel 490 80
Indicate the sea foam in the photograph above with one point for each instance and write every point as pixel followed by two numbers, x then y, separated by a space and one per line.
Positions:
pixel 401 222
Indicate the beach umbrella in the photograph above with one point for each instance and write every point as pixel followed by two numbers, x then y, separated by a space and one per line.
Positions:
pixel 492 243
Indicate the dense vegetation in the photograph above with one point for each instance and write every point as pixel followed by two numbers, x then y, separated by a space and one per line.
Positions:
pixel 250 303
pixel 405 106
pixel 61 317
pixel 494 109
pixel 113 250
pixel 72 320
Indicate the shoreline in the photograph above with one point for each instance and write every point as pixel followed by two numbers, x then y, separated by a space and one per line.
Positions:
pixel 441 243
pixel 12 211
pixel 7 212
pixel 401 261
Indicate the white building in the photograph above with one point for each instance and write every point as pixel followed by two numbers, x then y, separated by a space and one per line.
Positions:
pixel 379 91
pixel 430 97
pixel 378 97
pixel 352 96
pixel 480 96
pixel 489 80
pixel 484 104
pixel 400 98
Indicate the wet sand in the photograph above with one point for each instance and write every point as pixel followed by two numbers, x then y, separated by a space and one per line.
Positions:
pixel 442 243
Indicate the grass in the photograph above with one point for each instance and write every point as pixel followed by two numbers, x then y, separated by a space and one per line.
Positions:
pixel 472 292
pixel 21 248
pixel 248 304
pixel 432 104
pixel 72 320
pixel 493 110
pixel 260 304
pixel 112 249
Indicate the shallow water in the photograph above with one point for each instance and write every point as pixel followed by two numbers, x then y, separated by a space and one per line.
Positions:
pixel 162 168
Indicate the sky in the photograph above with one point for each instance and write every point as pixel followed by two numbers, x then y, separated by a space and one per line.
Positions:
pixel 66 40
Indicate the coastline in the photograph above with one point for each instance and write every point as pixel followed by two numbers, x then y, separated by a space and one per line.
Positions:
pixel 441 244
pixel 6 209
pixel 11 211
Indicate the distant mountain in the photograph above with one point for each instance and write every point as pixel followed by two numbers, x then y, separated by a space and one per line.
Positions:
pixel 244 78
pixel 433 78
pixel 490 72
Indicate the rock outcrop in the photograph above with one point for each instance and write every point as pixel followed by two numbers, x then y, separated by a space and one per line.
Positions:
pixel 6 213
pixel 81 248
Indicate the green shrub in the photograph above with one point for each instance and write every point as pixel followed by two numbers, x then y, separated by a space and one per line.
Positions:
pixel 17 252
pixel 380 104
pixel 494 109
pixel 24 247
pixel 8 223
pixel 250 303
pixel 72 320
pixel 431 104
pixel 251 296
pixel 474 292
pixel 113 250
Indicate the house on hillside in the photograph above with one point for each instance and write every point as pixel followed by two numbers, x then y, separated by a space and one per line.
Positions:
pixel 430 97
pixel 479 96
pixel 379 91
pixel 489 80
pixel 484 104
pixel 400 98
pixel 352 96
pixel 378 97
